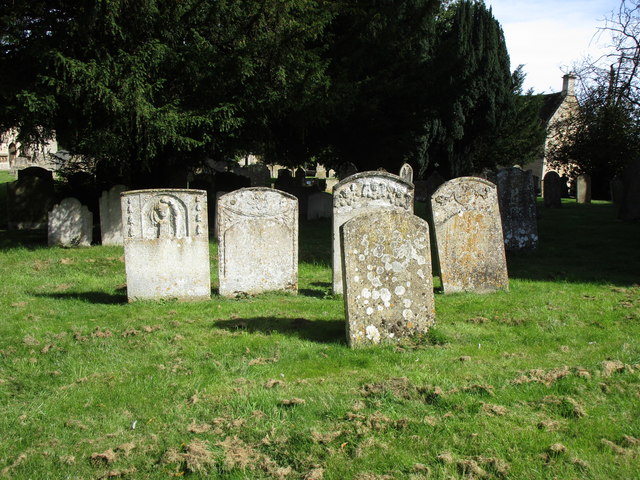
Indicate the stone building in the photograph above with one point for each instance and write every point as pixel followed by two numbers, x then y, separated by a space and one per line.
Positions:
pixel 14 156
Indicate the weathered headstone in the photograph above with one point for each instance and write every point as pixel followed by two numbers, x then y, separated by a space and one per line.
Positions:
pixel 468 233
pixel 166 244
pixel 259 175
pixel 321 171
pixel 363 193
pixel 583 188
pixel 301 177
pixel 388 285
pixel 320 205
pixel 215 214
pixel 346 170
pixel 406 173
pixel 630 206
pixel 552 190
pixel 517 208
pixel 29 199
pixel 111 216
pixel 70 224
pixel 258 251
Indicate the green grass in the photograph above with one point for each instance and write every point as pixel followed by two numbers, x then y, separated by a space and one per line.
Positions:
pixel 509 385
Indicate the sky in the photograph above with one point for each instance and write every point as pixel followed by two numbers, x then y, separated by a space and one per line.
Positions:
pixel 549 36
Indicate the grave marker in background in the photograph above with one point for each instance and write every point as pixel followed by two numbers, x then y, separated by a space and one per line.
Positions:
pixel 166 244
pixel 111 216
pixel 552 190
pixel 70 224
pixel 583 188
pixel 517 208
pixel 406 173
pixel 258 233
pixel 388 284
pixel 468 233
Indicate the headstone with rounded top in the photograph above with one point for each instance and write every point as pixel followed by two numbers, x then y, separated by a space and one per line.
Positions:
pixel 583 188
pixel 111 216
pixel 70 224
pixel 363 193
pixel 388 285
pixel 406 173
pixel 301 176
pixel 166 244
pixel 258 250
pixel 468 233
pixel 552 190
pixel 517 208
pixel 346 170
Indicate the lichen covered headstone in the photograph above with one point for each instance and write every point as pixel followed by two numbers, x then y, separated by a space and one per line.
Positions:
pixel 362 193
pixel 388 284
pixel 469 236
pixel 70 224
pixel 517 208
pixel 258 233
pixel 166 244
pixel 111 216
pixel 552 190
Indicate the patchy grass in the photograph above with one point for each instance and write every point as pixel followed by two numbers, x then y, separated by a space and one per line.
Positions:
pixel 540 382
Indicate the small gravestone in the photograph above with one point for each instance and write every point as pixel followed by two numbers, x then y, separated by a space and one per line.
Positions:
pixel 406 173
pixel 70 224
pixel 564 186
pixel 111 216
pixel 301 177
pixel 29 199
pixel 468 233
pixel 346 170
pixel 388 285
pixel 583 188
pixel 517 209
pixel 259 175
pixel 258 232
pixel 320 205
pixel 552 190
pixel 166 244
pixel 630 206
pixel 321 171
pixel 363 193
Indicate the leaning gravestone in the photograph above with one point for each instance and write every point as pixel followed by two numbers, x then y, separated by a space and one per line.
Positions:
pixel 319 205
pixel 111 216
pixel 517 208
pixel 630 205
pixel 70 224
pixel 258 251
pixel 583 188
pixel 406 173
pixel 363 193
pixel 552 190
pixel 468 233
pixel 388 285
pixel 166 244
pixel 29 199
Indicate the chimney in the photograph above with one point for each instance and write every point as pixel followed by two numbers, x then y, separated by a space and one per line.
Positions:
pixel 569 84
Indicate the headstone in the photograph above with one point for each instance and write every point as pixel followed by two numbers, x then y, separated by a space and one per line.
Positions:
pixel 468 233
pixel 406 173
pixel 29 199
pixel 517 209
pixel 259 175
pixel 70 224
pixel 321 172
pixel 346 170
pixel 583 188
pixel 388 284
pixel 363 193
pixel 320 205
pixel 630 206
pixel 301 176
pixel 166 244
pixel 552 190
pixel 616 188
pixel 258 251
pixel 564 186
pixel 111 216
pixel 215 215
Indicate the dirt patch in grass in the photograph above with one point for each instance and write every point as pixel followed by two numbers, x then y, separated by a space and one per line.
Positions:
pixel 19 460
pixel 494 410
pixel 198 427
pixel 292 401
pixel 271 383
pixel 263 361
pixel 547 378
pixel 195 457
pixel 108 456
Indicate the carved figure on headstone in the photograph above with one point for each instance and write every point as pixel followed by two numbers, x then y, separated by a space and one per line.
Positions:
pixel 362 193
pixel 517 209
pixel 388 284
pixel 468 233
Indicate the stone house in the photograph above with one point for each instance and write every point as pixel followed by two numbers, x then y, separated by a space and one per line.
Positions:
pixel 14 156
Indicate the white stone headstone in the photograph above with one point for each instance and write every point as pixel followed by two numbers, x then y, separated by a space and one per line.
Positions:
pixel 468 232
pixel 388 284
pixel 166 244
pixel 258 234
pixel 363 193
pixel 70 224
pixel 406 173
pixel 111 216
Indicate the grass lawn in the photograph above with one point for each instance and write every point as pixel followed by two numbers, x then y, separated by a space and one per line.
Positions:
pixel 540 382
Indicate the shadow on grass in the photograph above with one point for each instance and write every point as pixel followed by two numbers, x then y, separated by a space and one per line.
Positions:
pixel 321 331
pixel 91 297
pixel 29 239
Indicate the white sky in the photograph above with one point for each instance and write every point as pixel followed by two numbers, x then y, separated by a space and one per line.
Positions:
pixel 549 36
